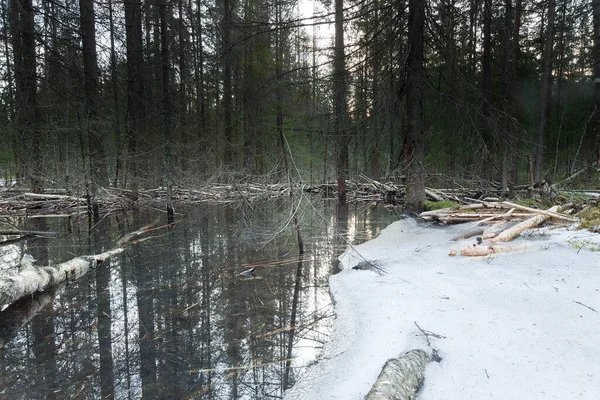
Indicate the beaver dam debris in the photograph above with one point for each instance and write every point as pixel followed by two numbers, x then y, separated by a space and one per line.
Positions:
pixel 498 222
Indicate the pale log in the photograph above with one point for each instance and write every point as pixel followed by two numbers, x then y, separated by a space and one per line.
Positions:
pixel 37 279
pixel 530 223
pixel 478 251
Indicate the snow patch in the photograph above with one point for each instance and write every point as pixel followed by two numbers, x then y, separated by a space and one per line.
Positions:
pixel 523 325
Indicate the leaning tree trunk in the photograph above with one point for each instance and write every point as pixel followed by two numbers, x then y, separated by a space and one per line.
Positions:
pixel 415 174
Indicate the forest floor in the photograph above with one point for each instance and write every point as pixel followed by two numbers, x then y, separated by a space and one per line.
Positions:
pixel 519 325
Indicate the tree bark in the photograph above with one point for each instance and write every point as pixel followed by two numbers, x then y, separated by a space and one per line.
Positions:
pixel 545 93
pixel 415 174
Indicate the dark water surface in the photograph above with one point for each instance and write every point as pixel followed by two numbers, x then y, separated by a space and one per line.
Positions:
pixel 171 318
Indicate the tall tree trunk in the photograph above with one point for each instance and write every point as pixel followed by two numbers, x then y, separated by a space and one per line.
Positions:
pixel 98 173
pixel 545 93
pixel 199 71
pixel 167 107
pixel 596 16
pixel 415 173
pixel 506 91
pixel 226 27
pixel 486 60
pixel 115 94
pixel 135 89
pixel 339 102
pixel 21 19
pixel 516 91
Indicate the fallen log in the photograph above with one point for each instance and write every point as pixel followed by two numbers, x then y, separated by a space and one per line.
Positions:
pixel 37 279
pixel 530 223
pixel 478 251
pixel 21 312
pixel 549 213
pixel 33 279
pixel 400 378
pixel 40 196
pixel 466 235
pixel 28 233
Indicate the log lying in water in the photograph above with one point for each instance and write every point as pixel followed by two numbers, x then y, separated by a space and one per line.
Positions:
pixel 400 378
pixel 33 279
pixel 37 279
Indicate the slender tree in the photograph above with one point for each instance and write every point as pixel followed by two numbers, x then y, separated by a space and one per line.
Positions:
pixel 97 156
pixel 415 172
pixel 135 89
pixel 167 105
pixel 545 93
pixel 340 102
pixel 227 43
pixel 596 16
pixel 21 20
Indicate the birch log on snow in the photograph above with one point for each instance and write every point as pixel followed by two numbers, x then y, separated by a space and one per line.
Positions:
pixel 530 223
pixel 401 378
pixel 34 279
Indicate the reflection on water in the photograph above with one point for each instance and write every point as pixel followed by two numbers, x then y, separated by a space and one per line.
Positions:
pixel 171 317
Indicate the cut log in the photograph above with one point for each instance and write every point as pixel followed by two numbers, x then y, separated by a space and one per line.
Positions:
pixel 530 223
pixel 401 377
pixel 477 251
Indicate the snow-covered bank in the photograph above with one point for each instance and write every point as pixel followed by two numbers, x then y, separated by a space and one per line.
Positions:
pixel 523 325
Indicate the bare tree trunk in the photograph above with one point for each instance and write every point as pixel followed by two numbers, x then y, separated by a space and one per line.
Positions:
pixel 115 93
pixel 339 102
pixel 596 53
pixel 516 91
pixel 545 93
pixel 506 141
pixel 486 60
pixel 415 174
pixel 21 19
pixel 135 89
pixel 167 107
pixel 226 28
pixel 98 173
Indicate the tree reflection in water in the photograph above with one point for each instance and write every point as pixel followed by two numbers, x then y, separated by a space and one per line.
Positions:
pixel 171 317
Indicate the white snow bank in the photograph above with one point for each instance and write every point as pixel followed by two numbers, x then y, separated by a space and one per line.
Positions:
pixel 517 326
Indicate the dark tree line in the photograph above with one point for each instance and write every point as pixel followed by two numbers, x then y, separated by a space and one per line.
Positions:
pixel 174 92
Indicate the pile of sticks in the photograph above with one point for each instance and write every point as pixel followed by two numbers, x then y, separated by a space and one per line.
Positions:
pixel 494 223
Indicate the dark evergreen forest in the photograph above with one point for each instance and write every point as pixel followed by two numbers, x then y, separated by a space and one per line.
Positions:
pixel 141 94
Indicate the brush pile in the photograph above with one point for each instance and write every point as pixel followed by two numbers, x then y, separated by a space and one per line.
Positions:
pixel 497 222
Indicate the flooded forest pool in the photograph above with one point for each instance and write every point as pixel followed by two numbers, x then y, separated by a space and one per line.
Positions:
pixel 171 317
